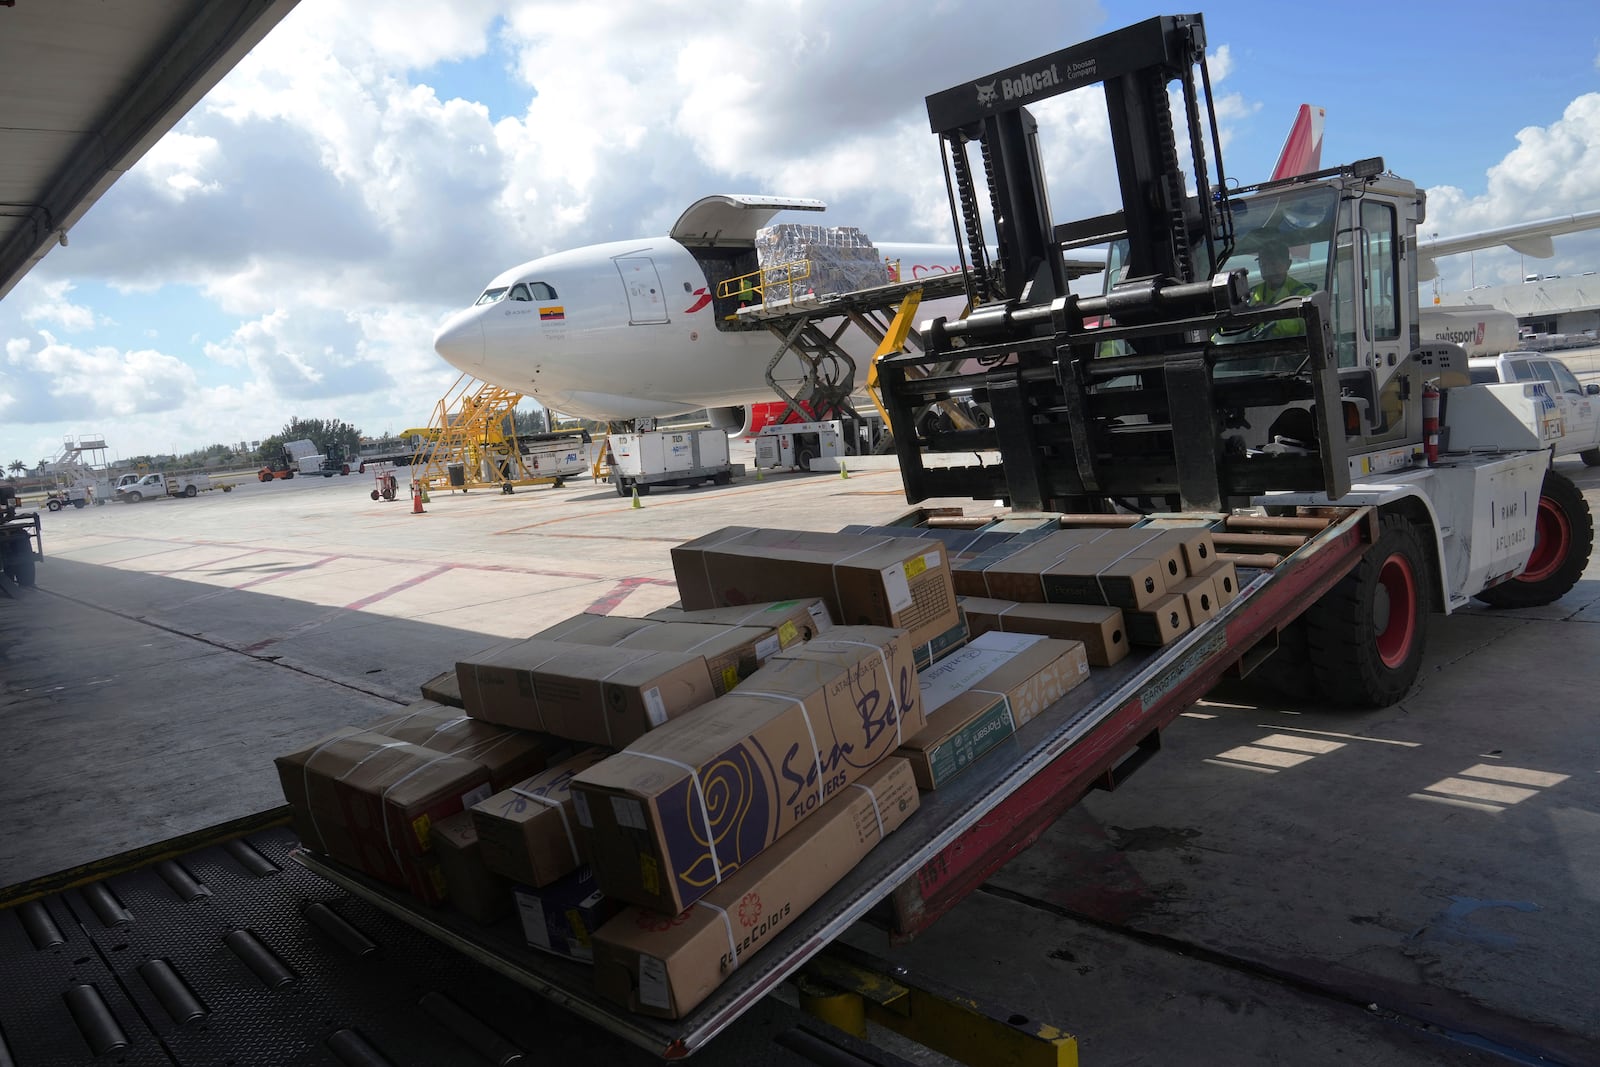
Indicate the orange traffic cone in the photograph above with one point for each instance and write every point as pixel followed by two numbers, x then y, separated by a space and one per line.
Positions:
pixel 416 499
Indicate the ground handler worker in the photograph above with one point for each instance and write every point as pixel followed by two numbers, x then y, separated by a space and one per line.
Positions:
pixel 1276 284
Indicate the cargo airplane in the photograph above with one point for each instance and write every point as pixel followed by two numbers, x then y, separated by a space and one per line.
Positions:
pixel 637 329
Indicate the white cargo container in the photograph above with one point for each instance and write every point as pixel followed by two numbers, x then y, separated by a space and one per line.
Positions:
pixel 688 457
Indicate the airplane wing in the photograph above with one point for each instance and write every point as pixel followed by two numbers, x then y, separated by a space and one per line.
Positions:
pixel 1529 238
pixel 733 219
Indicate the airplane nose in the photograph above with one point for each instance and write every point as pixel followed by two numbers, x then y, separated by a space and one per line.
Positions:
pixel 460 341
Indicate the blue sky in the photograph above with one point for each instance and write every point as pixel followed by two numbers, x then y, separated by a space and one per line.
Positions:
pixel 290 247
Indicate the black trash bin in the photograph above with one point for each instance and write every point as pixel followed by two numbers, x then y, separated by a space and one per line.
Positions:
pixel 457 473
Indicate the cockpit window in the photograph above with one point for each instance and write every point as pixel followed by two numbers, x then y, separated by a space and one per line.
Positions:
pixel 520 292
pixel 491 295
pixel 541 291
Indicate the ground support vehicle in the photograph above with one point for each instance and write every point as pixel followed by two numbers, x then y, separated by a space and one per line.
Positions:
pixel 21 541
pixel 796 444
pixel 337 461
pixel 1578 404
pixel 75 496
pixel 385 485
pixel 154 485
pixel 641 461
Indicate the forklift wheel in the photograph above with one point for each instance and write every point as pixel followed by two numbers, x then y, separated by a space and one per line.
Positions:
pixel 53 505
pixel 344 469
pixel 1563 538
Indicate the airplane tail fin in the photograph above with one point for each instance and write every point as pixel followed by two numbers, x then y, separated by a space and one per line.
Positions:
pixel 1302 149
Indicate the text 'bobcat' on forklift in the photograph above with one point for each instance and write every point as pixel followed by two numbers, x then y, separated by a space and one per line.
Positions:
pixel 1199 382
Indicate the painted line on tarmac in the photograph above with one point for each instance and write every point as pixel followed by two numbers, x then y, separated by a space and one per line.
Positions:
pixel 357 605
pixel 608 603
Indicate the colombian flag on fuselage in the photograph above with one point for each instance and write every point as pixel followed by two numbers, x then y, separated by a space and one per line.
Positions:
pixel 552 314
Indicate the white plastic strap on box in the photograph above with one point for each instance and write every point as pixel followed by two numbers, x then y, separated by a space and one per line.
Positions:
pixel 388 833
pixel 1002 696
pixel 877 813
pixel 442 727
pixel 305 777
pixel 1043 594
pixel 805 715
pixel 604 679
pixel 888 680
pixel 733 945
pixel 572 842
pixel 833 568
pixel 970 541
pixel 1099 575
pixel 721 632
pixel 705 812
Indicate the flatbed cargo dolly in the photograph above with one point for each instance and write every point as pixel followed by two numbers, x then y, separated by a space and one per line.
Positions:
pixel 1095 737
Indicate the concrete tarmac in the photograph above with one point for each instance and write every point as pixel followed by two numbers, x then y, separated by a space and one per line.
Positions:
pixel 1283 884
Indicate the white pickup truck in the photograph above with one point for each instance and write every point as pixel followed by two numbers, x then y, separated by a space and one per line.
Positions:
pixel 133 489
pixel 1578 403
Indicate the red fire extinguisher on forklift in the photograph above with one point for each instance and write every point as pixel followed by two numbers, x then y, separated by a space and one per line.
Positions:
pixel 1430 422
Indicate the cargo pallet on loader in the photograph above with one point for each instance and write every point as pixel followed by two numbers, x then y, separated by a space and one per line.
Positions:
pixel 963 832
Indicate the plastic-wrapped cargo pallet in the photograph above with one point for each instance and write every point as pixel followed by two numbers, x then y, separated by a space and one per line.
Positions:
pixel 842 259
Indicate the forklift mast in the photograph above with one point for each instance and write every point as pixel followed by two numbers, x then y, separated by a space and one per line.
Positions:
pixel 1096 399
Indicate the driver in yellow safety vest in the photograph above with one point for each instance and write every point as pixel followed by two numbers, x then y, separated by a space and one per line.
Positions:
pixel 1275 285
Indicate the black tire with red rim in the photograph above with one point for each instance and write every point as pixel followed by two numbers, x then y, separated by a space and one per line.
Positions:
pixel 1365 637
pixel 1563 537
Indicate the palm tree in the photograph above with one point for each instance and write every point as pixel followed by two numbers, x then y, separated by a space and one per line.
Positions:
pixel 17 466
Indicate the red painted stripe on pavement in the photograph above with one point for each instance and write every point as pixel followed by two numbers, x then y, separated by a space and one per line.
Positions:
pixel 357 605
pixel 608 603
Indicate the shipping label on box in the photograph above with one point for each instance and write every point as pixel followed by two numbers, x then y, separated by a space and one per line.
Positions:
pixel 562 917
pixel 1098 626
pixel 528 832
pixel 685 806
pixel 977 697
pixel 898 582
pixel 666 965
pixel 588 693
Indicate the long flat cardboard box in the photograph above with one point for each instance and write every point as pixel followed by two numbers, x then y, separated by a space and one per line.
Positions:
pixel 588 693
pixel 529 832
pixel 977 697
pixel 794 620
pixel 1099 627
pixel 686 805
pixel 731 652
pixel 666 966
pixel 442 689
pixel 899 582
pixel 508 755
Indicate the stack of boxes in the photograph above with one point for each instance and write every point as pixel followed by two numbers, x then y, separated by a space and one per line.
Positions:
pixel 659 796
pixel 838 259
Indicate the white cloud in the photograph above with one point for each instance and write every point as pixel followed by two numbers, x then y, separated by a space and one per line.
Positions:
pixel 52 306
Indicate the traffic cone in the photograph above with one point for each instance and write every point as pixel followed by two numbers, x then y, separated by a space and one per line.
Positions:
pixel 843 473
pixel 425 499
pixel 416 500
pixel 636 503
pixel 758 472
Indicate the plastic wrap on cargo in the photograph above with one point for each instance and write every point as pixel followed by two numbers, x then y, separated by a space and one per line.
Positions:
pixel 842 259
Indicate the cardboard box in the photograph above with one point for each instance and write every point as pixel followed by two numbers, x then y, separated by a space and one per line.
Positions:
pixel 442 689
pixel 665 966
pixel 794 620
pixel 370 802
pixel 732 653
pixel 898 582
pixel 473 889
pixel 1013 570
pixel 1199 598
pixel 600 696
pixel 940 647
pixel 1198 548
pixel 529 833
pixel 686 805
pixel 1226 581
pixel 508 755
pixel 1165 622
pixel 1100 628
pixel 562 917
pixel 977 697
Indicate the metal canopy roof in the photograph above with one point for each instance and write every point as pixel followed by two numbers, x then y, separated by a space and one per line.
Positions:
pixel 87 86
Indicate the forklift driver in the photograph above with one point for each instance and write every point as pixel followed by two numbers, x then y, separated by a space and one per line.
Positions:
pixel 1276 284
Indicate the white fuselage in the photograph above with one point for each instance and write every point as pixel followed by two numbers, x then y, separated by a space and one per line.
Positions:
pixel 627 330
